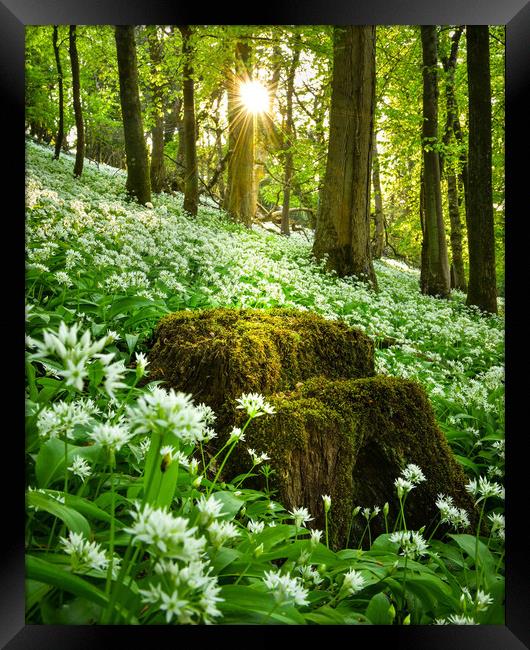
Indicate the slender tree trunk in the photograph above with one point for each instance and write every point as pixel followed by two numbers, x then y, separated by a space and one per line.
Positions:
pixel 379 235
pixel 288 152
pixel 458 278
pixel 76 91
pixel 138 183
pixel 435 280
pixel 60 130
pixel 343 220
pixel 191 175
pixel 482 289
pixel 157 132
pixel 240 201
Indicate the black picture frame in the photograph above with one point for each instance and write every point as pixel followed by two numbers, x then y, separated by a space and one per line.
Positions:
pixel 515 14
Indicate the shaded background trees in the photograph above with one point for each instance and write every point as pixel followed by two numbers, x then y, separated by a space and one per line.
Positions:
pixel 267 165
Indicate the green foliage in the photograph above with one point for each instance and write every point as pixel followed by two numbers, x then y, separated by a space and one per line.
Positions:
pixel 112 268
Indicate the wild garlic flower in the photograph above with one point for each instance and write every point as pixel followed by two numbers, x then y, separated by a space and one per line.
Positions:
pixel 60 418
pixel 141 364
pixel 80 468
pixel 327 502
pixel 497 524
pixel 480 602
pixel 301 516
pixel 159 410
pixel 186 594
pixel 257 459
pixel 286 590
pixel 85 555
pixel 111 436
pixel 369 514
pixel 254 404
pixel 165 534
pixel 456 619
pixel 221 532
pixel 255 527
pixel 63 278
pixel 412 543
pixel 484 489
pixel 413 474
pixel 353 582
pixel 209 508
pixel 207 413
pixel 310 575
pixel 236 435
pixel 316 535
pixel 450 514
pixel 403 487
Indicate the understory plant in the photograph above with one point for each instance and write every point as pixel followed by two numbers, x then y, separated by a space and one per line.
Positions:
pixel 131 517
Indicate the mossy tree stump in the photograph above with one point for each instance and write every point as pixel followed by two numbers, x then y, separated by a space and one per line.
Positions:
pixel 337 430
pixel 218 354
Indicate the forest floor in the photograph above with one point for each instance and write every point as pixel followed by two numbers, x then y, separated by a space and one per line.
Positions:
pixel 115 268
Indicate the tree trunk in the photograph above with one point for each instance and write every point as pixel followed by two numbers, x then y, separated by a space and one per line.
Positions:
pixel 379 235
pixel 138 183
pixel 191 175
pixel 482 289
pixel 157 132
pixel 343 220
pixel 435 279
pixel 288 152
pixel 76 91
pixel 458 277
pixel 240 198
pixel 60 130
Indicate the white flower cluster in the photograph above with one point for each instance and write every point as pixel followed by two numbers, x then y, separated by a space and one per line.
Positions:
pixel 412 543
pixel 254 404
pixel 451 514
pixel 60 418
pixel 186 594
pixel 85 555
pixel 286 590
pixel 483 489
pixel 164 534
pixel 160 410
pixel 410 477
pixel 75 355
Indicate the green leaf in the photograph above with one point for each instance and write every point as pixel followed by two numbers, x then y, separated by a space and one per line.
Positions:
pixel 131 340
pixel 87 508
pixel 49 466
pixel 325 616
pixel 231 504
pixel 242 599
pixel 378 611
pixel 54 575
pixel 484 558
pixel 72 519
pixel 35 592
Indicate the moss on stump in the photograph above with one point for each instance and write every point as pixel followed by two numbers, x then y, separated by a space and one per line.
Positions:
pixel 218 354
pixel 351 439
pixel 337 430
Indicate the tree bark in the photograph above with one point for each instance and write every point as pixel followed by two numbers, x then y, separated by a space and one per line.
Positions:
pixel 157 132
pixel 191 174
pixel 78 111
pixel 458 277
pixel 240 198
pixel 379 235
pixel 288 151
pixel 482 289
pixel 435 277
pixel 138 182
pixel 60 130
pixel 343 220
